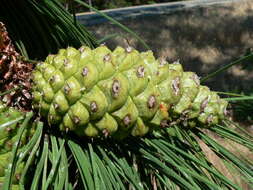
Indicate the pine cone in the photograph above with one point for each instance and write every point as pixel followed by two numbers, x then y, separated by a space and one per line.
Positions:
pixel 14 73
pixel 99 93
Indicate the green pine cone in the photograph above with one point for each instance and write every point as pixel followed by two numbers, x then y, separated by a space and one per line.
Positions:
pixel 9 125
pixel 99 93
pixel 8 115
pixel 4 162
pixel 8 136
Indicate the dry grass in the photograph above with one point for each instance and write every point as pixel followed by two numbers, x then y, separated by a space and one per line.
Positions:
pixel 237 149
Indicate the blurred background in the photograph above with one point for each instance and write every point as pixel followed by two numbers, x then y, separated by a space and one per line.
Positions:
pixel 111 4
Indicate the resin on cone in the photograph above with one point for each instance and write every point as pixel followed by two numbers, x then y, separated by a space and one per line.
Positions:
pixel 120 93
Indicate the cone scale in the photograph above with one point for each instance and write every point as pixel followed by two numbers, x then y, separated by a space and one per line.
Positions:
pixel 120 93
